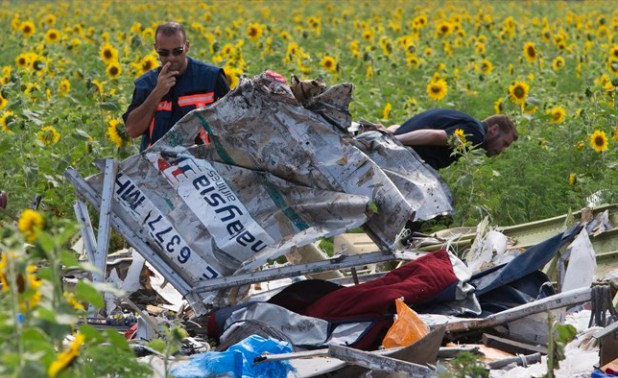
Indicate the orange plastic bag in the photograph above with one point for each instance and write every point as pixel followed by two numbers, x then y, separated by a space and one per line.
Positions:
pixel 407 328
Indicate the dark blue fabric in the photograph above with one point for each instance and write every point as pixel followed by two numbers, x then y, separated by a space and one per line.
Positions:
pixel 198 78
pixel 524 290
pixel 448 120
pixel 533 259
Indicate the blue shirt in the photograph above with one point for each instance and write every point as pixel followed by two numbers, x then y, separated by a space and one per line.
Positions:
pixel 449 121
pixel 200 85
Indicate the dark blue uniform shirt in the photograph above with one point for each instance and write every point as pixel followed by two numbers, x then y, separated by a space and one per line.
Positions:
pixel 200 85
pixel 449 121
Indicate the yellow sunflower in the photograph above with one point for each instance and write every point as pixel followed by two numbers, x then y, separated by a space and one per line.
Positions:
pixel 148 63
pixel 48 135
pixel 546 34
pixel 443 28
pixel 479 48
pixel 413 61
pixel 459 133
pixel 285 35
pixel 97 88
pixel 530 51
pixel 113 70
pixel 410 105
pixel 437 89
pixel 113 133
pixel 148 34
pixel 292 48
pixel 572 179
pixel 368 34
pixel 254 31
pixel 519 92
pixel 615 135
pixel 64 88
pixel 66 357
pixel 499 106
pixel 52 36
pixel 485 67
pixel 70 297
pixel 29 290
pixel 598 141
pixel 108 53
pixel 420 21
pixel 30 221
pixel 329 63
pixel 558 63
pixel 558 114
pixel 228 50
pixel 22 60
pixel 530 109
pixel 27 28
pixel 50 20
pixel 3 102
pixel 386 45
pixel 613 52
pixel 233 76
pixel 6 119
pixel 386 113
pixel 4 264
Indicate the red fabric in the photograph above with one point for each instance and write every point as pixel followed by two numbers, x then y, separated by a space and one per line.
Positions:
pixel 129 334
pixel 417 281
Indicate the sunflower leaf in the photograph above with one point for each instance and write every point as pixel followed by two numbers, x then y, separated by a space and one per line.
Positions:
pixel 110 105
pixel 87 293
pixel 81 134
pixel 533 101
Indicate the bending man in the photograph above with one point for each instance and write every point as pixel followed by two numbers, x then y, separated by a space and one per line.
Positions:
pixel 428 133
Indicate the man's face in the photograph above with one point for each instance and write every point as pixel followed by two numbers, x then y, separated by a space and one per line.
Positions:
pixel 172 49
pixel 496 141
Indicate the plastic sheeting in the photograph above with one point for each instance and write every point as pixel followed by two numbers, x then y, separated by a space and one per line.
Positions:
pixel 275 175
pixel 237 361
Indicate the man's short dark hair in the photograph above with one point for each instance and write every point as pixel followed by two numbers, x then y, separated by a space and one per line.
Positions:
pixel 170 28
pixel 504 124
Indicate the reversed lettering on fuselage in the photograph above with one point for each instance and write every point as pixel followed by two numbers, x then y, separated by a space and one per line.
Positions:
pixel 160 229
pixel 216 205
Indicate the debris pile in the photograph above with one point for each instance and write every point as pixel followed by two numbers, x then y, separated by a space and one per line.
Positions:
pixel 207 222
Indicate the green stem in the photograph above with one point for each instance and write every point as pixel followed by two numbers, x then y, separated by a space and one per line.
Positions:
pixel 15 311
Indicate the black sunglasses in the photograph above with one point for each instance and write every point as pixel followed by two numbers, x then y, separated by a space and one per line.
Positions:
pixel 177 51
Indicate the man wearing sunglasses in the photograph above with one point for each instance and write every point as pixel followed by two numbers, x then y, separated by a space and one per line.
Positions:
pixel 164 95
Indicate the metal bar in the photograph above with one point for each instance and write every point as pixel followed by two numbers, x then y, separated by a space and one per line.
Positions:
pixel 378 362
pixel 354 275
pixel 568 298
pixel 520 360
pixel 334 263
pixel 291 356
pixel 83 217
pixel 105 211
pixel 511 346
pixel 132 237
pixel 451 352
pixel 443 352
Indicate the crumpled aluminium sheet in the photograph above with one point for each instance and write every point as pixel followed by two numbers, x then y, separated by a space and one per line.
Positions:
pixel 276 174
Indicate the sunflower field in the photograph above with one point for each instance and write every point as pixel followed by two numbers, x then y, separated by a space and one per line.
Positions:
pixel 67 73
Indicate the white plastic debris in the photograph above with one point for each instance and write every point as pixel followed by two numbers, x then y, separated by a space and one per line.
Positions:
pixel 582 263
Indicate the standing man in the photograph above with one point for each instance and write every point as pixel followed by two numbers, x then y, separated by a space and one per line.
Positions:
pixel 164 95
pixel 428 133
